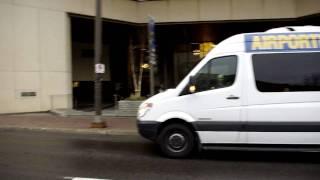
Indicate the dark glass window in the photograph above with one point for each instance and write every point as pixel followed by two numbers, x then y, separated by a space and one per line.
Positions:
pixel 217 73
pixel 287 72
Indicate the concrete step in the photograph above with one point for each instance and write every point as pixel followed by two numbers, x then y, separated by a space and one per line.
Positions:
pixel 129 105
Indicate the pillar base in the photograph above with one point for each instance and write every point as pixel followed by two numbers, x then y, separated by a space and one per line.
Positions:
pixel 98 125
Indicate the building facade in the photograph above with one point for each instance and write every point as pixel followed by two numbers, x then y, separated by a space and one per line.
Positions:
pixel 46 46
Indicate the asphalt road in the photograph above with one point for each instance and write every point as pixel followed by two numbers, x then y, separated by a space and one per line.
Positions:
pixel 42 155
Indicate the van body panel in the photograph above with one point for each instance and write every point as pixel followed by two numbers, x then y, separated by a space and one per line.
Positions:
pixel 226 137
pixel 288 112
pixel 293 112
pixel 307 138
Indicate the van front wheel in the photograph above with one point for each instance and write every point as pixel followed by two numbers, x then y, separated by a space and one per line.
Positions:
pixel 176 141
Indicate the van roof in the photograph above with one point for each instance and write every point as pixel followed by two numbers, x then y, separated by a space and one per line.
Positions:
pixel 294 29
pixel 294 38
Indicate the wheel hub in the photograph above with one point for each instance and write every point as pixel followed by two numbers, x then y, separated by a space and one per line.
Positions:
pixel 177 141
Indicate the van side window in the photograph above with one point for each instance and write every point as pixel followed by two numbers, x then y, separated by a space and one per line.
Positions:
pixel 287 72
pixel 217 73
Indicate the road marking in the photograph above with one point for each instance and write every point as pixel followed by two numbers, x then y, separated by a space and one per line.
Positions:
pixel 81 178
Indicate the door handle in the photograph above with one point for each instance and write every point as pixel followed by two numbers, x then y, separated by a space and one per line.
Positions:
pixel 232 97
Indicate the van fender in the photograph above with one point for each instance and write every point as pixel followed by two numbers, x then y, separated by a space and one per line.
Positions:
pixel 150 129
pixel 185 117
pixel 176 115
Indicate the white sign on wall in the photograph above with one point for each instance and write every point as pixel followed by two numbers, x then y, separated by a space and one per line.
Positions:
pixel 100 68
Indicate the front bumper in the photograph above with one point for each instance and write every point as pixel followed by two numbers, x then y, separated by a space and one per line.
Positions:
pixel 148 129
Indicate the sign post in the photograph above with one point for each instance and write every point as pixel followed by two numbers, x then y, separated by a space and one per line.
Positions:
pixel 152 52
pixel 99 69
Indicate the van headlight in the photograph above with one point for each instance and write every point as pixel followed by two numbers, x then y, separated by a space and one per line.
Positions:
pixel 144 108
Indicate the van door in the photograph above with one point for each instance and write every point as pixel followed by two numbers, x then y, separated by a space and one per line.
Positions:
pixel 284 99
pixel 216 103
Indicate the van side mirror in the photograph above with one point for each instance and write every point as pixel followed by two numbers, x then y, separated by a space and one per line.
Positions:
pixel 192 85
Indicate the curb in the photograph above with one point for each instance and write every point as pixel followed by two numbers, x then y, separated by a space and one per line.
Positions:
pixel 75 131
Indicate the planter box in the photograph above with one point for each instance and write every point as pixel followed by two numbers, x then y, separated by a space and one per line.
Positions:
pixel 127 105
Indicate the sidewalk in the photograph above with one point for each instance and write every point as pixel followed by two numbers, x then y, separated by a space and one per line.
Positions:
pixel 73 124
pixel 110 112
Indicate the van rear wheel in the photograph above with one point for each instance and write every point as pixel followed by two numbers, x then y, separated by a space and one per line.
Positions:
pixel 176 141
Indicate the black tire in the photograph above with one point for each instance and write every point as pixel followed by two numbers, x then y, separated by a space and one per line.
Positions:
pixel 176 141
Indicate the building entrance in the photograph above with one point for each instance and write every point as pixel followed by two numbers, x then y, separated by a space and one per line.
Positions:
pixel 114 56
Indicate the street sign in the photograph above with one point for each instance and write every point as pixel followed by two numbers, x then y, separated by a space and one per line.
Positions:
pixel 100 68
pixel 152 52
pixel 152 43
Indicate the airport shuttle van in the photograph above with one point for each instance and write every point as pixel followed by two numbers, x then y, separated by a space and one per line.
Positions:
pixel 253 90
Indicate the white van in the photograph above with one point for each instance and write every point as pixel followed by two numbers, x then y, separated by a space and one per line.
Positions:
pixel 255 90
